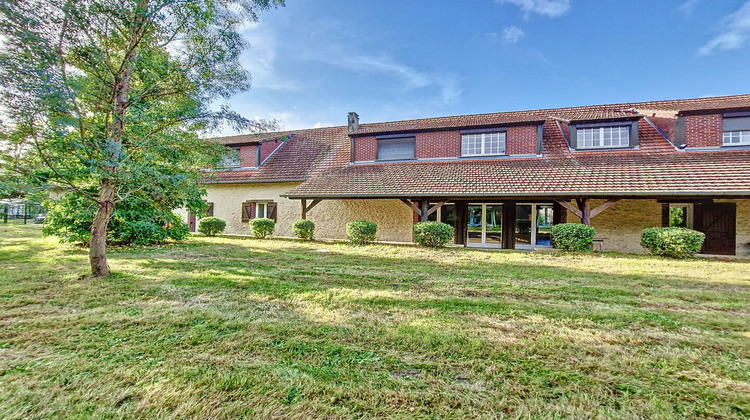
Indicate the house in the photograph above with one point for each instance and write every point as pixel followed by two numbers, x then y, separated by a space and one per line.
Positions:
pixel 503 179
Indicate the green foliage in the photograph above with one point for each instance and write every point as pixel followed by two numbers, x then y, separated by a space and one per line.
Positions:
pixel 134 222
pixel 673 242
pixel 573 237
pixel 304 229
pixel 262 227
pixel 677 217
pixel 211 226
pixel 361 232
pixel 432 234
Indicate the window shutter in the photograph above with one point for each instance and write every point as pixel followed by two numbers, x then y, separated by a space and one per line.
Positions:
pixel 210 210
pixel 248 211
pixel 271 211
pixel 665 215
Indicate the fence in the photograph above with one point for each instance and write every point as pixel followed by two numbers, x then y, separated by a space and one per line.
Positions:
pixel 20 209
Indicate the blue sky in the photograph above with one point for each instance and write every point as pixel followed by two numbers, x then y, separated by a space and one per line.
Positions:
pixel 314 60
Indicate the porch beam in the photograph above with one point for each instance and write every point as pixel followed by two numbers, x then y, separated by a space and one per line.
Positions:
pixel 584 204
pixel 411 205
pixel 604 206
pixel 306 208
pixel 570 208
pixel 425 208
pixel 436 207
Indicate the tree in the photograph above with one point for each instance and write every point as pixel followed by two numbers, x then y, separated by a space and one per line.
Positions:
pixel 110 95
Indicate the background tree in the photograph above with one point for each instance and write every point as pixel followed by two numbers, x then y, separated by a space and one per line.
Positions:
pixel 107 97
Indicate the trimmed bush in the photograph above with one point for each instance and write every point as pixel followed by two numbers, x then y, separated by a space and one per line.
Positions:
pixel 304 229
pixel 262 227
pixel 211 226
pixel 673 242
pixel 432 234
pixel 573 237
pixel 361 232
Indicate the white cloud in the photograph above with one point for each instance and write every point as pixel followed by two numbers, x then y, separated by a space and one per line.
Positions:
pixel 260 61
pixel 551 8
pixel 512 34
pixel 688 6
pixel 736 32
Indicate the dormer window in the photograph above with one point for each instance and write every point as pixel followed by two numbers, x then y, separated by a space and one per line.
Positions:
pixel 483 144
pixel 396 147
pixel 603 137
pixel 231 158
pixel 611 135
pixel 736 130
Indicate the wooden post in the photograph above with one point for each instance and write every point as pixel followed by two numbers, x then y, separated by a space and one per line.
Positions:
pixel 425 208
pixel 584 205
pixel 304 209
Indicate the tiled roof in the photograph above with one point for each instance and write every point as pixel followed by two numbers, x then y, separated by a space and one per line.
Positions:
pixel 593 174
pixel 304 153
pixel 579 113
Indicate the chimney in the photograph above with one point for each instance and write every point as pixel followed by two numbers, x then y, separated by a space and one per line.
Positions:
pixel 353 122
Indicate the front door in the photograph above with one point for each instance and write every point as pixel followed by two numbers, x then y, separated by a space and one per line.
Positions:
pixel 719 225
pixel 533 225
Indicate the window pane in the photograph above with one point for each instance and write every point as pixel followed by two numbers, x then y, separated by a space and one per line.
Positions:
pixel 736 138
pixel 603 137
pixel 394 149
pixel 483 144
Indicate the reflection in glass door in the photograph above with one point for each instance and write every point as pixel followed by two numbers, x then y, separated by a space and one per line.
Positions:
pixel 533 225
pixel 484 224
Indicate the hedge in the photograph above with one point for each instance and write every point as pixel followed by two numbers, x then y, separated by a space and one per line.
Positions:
pixel 361 232
pixel 432 234
pixel 211 226
pixel 304 229
pixel 673 242
pixel 262 227
pixel 573 237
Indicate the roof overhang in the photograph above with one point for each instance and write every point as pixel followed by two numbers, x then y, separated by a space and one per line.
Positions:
pixel 527 195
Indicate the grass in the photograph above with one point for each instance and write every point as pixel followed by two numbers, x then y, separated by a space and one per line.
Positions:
pixel 228 327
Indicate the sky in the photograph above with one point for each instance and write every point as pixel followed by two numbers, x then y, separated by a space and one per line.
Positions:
pixel 313 61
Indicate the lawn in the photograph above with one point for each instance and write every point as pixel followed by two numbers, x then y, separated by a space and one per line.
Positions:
pixel 229 327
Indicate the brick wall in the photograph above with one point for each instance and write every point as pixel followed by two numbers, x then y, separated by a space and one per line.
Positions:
pixel 703 130
pixel 268 147
pixel 521 140
pixel 365 149
pixel 248 156
pixel 438 144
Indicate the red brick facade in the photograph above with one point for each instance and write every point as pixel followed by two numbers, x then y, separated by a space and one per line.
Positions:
pixel 365 149
pixel 248 156
pixel 521 140
pixel 703 130
pixel 438 144
pixel 268 147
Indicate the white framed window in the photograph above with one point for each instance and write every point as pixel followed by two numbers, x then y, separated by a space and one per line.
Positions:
pixel 261 210
pixel 231 158
pixel 483 144
pixel 603 137
pixel 737 138
pixel 736 130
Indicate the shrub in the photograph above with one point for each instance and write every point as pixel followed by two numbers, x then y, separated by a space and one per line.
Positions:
pixel 133 222
pixel 262 227
pixel 573 237
pixel 211 226
pixel 673 242
pixel 361 232
pixel 432 234
pixel 304 229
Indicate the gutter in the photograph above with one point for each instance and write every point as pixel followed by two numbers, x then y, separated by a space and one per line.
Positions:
pixel 567 194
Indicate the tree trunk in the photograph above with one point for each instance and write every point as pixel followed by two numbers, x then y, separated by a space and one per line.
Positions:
pixel 98 247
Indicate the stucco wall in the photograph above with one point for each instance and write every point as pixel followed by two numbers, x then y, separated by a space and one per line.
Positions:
pixel 394 218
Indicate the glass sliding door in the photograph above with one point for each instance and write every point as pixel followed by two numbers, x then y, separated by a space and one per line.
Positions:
pixel 484 225
pixel 544 217
pixel 493 221
pixel 474 224
pixel 523 224
pixel 534 225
